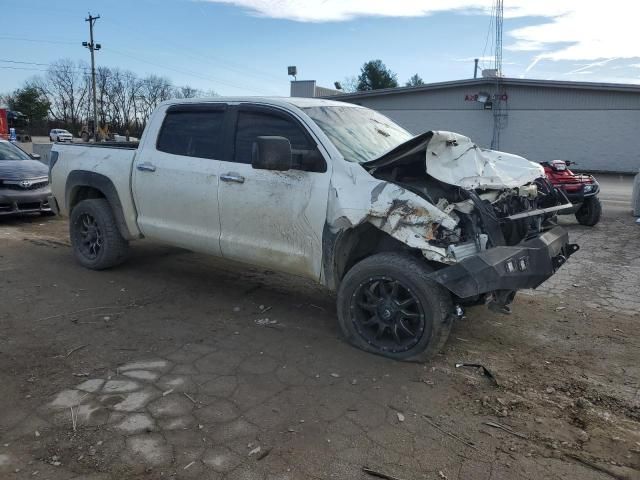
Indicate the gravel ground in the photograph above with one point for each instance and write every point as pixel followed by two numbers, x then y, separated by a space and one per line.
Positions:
pixel 183 366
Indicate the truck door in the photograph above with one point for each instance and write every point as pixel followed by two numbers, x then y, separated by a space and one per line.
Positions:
pixel 270 218
pixel 175 179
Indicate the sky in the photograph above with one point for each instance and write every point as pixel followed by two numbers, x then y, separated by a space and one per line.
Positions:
pixel 243 47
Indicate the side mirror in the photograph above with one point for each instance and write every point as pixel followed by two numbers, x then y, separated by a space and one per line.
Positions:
pixel 271 153
pixel 35 156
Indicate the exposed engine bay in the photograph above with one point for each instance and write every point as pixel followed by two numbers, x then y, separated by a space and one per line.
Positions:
pixel 496 199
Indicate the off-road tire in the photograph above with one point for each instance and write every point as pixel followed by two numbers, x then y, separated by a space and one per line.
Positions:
pixel 589 212
pixel 113 249
pixel 411 273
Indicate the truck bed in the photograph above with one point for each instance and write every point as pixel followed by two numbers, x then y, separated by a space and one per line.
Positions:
pixel 109 161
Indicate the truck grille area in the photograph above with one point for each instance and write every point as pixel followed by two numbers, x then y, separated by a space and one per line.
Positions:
pixel 18 185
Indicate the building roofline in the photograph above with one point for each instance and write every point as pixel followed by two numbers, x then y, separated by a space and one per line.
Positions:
pixel 620 87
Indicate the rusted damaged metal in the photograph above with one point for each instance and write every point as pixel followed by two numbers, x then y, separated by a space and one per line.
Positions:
pixel 395 210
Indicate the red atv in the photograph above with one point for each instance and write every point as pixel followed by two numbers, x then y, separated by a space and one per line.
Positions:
pixel 580 190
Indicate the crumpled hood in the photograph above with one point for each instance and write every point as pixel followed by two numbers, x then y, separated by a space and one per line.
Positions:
pixel 22 169
pixel 454 159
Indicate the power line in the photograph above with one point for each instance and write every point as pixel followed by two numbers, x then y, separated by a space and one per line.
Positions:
pixel 25 63
pixel 186 72
pixel 23 68
pixel 51 66
pixel 185 51
pixel 489 30
pixel 36 40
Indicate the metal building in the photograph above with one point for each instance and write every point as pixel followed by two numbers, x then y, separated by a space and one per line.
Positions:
pixel 596 125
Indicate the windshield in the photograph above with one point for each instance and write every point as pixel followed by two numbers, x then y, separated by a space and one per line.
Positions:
pixel 359 134
pixel 9 151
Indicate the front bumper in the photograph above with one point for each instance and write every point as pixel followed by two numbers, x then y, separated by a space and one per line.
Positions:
pixel 16 201
pixel 526 265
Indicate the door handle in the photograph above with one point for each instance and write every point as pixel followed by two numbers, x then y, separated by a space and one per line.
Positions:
pixel 146 167
pixel 227 177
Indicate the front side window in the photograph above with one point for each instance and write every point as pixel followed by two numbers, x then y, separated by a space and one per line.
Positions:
pixel 257 124
pixel 192 133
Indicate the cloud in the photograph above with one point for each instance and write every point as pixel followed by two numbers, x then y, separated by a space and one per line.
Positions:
pixel 342 10
pixel 585 30
pixel 564 29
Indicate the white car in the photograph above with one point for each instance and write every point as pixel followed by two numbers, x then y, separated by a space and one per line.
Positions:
pixel 60 135
pixel 405 229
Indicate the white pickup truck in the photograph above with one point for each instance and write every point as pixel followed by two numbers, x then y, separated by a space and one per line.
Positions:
pixel 407 229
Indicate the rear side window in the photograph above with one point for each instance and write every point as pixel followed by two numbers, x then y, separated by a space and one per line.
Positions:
pixel 192 133
pixel 256 124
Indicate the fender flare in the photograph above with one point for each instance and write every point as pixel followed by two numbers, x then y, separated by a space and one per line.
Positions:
pixel 78 179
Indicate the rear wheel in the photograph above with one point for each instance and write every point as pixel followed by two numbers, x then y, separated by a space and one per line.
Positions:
pixel 388 306
pixel 96 241
pixel 589 212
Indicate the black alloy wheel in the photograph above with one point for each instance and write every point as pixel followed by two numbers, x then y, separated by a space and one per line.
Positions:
pixel 91 239
pixel 95 238
pixel 388 305
pixel 387 315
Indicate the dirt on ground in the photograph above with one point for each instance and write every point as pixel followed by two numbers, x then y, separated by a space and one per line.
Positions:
pixel 177 365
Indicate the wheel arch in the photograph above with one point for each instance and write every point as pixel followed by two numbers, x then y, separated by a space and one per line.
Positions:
pixel 343 249
pixel 82 185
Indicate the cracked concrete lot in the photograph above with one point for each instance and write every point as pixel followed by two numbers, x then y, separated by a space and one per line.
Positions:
pixel 181 366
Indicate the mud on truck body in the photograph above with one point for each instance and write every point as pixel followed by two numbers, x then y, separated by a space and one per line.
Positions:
pixel 406 229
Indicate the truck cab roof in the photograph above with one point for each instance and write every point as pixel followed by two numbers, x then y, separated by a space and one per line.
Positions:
pixel 299 102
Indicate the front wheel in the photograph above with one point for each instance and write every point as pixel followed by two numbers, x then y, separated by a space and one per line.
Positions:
pixel 388 306
pixel 95 238
pixel 589 212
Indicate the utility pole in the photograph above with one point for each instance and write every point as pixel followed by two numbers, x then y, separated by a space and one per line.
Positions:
pixel 475 68
pixel 92 48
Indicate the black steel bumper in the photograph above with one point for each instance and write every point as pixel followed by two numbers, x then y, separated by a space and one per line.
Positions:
pixel 16 201
pixel 525 265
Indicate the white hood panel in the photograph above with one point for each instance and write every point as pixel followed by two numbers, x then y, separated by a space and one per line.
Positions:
pixel 454 159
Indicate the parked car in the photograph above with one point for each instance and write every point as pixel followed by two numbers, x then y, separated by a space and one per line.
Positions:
pixel 60 135
pixel 580 189
pixel 24 185
pixel 406 229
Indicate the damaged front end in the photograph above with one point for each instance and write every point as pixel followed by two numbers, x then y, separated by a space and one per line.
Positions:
pixel 485 218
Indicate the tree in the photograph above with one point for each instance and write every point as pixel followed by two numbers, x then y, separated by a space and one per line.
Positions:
pixel 374 75
pixel 187 92
pixel 5 99
pixel 350 84
pixel 31 103
pixel 414 81
pixel 125 101
pixel 66 86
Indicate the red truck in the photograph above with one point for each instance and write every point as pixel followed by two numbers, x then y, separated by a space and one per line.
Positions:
pixel 4 124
